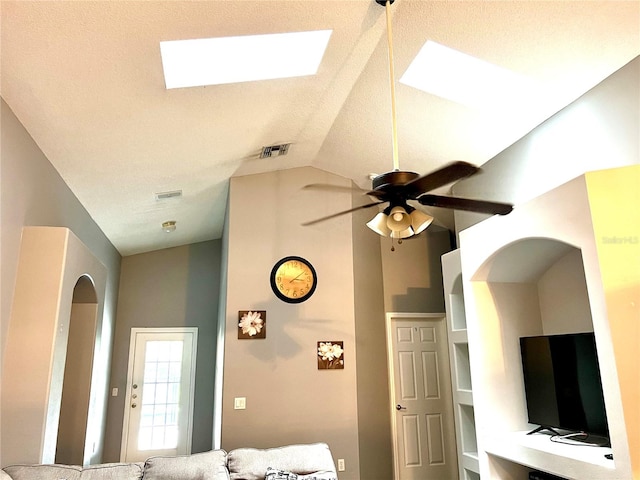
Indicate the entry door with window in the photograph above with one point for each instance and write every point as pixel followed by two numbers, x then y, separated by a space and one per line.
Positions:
pixel 424 444
pixel 158 415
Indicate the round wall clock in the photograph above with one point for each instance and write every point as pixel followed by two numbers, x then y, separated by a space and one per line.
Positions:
pixel 293 279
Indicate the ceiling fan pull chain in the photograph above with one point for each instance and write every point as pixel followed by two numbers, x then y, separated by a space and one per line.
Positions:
pixel 394 126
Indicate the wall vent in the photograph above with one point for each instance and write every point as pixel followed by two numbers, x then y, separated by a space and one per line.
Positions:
pixel 166 195
pixel 274 150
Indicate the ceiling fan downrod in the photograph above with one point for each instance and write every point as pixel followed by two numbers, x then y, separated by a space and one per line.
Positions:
pixel 392 83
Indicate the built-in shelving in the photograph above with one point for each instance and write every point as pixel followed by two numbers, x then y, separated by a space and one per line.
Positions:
pixel 550 267
pixel 467 446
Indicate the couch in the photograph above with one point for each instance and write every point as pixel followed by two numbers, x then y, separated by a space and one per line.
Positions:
pixel 292 462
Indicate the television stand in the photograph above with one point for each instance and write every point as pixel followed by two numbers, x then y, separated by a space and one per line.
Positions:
pixel 574 438
pixel 587 439
pixel 542 428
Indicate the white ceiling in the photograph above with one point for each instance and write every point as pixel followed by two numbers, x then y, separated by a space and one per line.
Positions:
pixel 85 79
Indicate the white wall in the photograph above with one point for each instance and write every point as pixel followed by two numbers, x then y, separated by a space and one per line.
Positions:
pixel 599 130
pixel 51 262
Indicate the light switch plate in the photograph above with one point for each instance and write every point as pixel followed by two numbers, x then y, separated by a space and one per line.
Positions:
pixel 240 403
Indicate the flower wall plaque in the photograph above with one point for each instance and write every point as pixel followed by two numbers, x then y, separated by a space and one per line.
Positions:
pixel 330 355
pixel 252 324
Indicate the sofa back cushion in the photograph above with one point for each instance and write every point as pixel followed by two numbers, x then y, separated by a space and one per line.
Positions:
pixel 43 472
pixel 198 466
pixel 105 471
pixel 113 471
pixel 252 463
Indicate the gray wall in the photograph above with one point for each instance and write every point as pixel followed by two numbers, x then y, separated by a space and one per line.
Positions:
pixel 374 422
pixel 174 287
pixel 33 193
pixel 599 130
pixel 412 272
pixel 288 399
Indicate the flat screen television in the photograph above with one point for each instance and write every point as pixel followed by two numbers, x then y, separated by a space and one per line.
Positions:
pixel 563 386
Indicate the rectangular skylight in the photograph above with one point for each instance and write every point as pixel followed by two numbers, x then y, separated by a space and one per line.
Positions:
pixel 464 79
pixel 215 61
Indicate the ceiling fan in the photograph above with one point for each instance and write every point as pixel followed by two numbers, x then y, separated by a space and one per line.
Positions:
pixel 397 188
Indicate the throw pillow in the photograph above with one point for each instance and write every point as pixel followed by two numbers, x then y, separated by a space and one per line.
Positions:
pixel 252 463
pixel 275 474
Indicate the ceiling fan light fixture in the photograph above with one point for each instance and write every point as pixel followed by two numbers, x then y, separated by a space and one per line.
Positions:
pixel 420 221
pixel 398 219
pixel 379 224
pixel 403 233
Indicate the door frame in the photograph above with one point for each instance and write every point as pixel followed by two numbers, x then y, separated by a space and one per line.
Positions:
pixel 132 347
pixel 389 318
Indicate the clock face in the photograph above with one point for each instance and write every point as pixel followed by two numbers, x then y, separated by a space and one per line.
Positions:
pixel 293 279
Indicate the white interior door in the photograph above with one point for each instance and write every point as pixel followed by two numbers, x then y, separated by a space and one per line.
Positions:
pixel 159 399
pixel 424 432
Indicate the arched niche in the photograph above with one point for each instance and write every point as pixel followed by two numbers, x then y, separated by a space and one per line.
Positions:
pixel 541 282
pixel 54 268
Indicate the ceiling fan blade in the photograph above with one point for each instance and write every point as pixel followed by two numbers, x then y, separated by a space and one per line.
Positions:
pixel 480 206
pixel 361 207
pixel 447 174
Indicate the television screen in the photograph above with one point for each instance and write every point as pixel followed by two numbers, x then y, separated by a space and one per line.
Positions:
pixel 562 383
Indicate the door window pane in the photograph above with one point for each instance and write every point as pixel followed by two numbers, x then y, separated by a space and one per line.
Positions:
pixel 160 395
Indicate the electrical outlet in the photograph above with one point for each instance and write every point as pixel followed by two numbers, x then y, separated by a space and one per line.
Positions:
pixel 240 403
pixel 341 465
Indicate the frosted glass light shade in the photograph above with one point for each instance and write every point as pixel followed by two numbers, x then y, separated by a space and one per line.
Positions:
pixel 420 221
pixel 379 224
pixel 398 223
pixel 398 219
pixel 402 233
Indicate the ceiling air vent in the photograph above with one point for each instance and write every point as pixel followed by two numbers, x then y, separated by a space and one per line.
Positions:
pixel 274 150
pixel 166 195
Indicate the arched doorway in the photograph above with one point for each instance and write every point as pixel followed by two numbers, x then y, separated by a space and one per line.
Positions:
pixel 71 445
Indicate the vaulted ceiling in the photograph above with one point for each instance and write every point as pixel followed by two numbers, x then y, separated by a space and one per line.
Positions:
pixel 86 80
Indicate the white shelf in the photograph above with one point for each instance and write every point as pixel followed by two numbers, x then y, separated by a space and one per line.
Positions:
pixel 469 461
pixel 568 461
pixel 464 397
pixel 458 336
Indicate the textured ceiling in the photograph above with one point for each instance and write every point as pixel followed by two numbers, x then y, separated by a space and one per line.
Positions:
pixel 85 79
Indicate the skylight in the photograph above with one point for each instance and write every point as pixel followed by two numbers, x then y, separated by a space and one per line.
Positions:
pixel 464 79
pixel 215 61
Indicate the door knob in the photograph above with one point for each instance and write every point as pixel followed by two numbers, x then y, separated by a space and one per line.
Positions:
pixel 400 407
